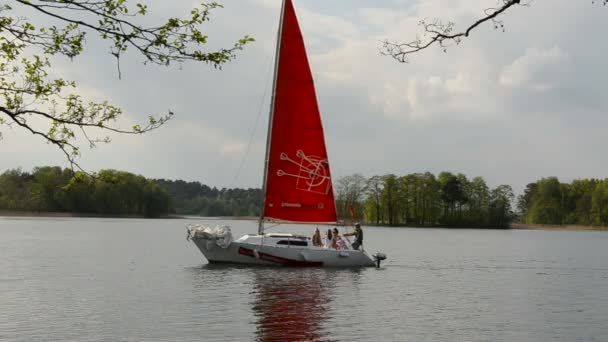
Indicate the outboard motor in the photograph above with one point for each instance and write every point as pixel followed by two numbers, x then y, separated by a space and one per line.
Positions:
pixel 378 257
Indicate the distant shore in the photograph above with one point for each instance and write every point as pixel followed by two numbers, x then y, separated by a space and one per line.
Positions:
pixel 520 226
pixel 51 214
pixel 10 213
pixel 554 227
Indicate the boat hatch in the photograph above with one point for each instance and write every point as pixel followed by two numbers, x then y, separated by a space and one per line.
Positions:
pixel 293 243
pixel 288 236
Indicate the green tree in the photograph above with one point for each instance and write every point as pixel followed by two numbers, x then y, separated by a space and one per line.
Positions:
pixel 14 190
pixel 194 198
pixel 418 199
pixel 500 213
pixel 106 198
pixel 430 192
pixel 155 200
pixel 45 189
pixel 478 202
pixel 547 203
pixel 374 198
pixel 581 193
pixel 416 194
pixel 599 205
pixel 349 192
pixel 52 108
pixel 526 201
pixel 452 195
pixel 408 190
pixel 390 198
pixel 77 194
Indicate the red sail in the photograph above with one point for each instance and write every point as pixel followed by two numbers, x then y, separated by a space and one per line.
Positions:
pixel 298 183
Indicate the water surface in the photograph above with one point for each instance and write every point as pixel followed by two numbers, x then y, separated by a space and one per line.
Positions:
pixel 86 279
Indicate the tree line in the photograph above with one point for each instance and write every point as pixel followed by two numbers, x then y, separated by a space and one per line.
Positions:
pixel 418 199
pixel 119 193
pixel 423 200
pixel 109 192
pixel 194 198
pixel 581 202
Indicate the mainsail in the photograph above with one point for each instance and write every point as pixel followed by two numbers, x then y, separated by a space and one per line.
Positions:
pixel 298 183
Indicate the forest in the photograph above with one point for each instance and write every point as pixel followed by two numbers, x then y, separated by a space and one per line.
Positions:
pixel 108 193
pixel 452 200
pixel 424 200
pixel 194 198
pixel 418 199
pixel 118 193
pixel 581 202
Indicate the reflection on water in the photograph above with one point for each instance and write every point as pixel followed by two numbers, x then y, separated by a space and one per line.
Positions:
pixel 291 304
pixel 288 304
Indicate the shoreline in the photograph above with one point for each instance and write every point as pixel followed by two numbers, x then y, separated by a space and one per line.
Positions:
pixel 52 214
pixel 42 214
pixel 566 227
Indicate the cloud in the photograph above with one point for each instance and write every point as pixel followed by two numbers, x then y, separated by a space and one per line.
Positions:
pixel 537 70
pixel 233 148
pixel 501 105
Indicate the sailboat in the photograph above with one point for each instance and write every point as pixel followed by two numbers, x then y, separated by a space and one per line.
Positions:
pixel 297 184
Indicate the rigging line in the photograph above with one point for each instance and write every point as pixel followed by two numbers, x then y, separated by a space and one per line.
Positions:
pixel 255 125
pixel 272 226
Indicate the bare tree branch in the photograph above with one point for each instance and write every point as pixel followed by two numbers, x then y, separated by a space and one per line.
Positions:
pixel 439 33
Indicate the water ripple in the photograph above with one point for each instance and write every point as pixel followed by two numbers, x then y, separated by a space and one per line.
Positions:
pixel 138 280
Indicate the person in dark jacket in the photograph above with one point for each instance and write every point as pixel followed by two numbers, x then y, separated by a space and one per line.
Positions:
pixel 316 238
pixel 358 234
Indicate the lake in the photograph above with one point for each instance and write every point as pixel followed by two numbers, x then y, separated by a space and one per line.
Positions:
pixel 89 279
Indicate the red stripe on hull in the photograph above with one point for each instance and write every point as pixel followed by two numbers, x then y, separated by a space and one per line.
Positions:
pixel 279 260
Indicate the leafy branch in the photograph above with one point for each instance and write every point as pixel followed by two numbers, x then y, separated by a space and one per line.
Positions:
pixel 51 108
pixel 177 40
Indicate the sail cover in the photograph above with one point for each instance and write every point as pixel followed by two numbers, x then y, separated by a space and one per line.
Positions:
pixel 298 180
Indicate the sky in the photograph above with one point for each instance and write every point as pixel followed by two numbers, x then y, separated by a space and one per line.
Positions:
pixel 511 107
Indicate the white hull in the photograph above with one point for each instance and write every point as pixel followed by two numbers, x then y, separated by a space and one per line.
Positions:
pixel 278 250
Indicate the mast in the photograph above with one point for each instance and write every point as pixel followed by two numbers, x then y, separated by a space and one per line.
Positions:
pixel 270 119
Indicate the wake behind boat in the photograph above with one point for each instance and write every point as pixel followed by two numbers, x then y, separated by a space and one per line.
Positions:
pixel 297 178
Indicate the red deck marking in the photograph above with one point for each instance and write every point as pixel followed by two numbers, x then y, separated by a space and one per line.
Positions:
pixel 280 260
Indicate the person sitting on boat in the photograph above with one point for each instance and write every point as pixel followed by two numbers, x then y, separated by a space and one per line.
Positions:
pixel 316 238
pixel 358 234
pixel 338 242
pixel 328 239
pixel 334 240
